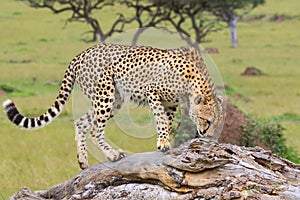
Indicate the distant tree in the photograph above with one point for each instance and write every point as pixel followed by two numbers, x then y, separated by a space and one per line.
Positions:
pixel 193 19
pixel 82 11
pixel 146 14
pixel 231 11
pixel 189 17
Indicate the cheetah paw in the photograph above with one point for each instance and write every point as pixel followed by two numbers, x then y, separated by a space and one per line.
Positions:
pixel 83 163
pixel 163 145
pixel 115 155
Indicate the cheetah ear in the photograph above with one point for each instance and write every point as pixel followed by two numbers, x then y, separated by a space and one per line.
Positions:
pixel 198 99
pixel 220 98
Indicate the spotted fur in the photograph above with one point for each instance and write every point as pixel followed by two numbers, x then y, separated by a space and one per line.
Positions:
pixel 110 74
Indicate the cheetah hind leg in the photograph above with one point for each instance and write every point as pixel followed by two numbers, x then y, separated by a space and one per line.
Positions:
pixel 114 155
pixel 82 126
pixel 99 140
pixel 98 125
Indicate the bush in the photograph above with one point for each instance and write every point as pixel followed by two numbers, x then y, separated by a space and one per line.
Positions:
pixel 7 88
pixel 268 134
pixel 20 90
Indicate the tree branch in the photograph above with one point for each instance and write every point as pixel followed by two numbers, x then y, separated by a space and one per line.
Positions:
pixel 81 11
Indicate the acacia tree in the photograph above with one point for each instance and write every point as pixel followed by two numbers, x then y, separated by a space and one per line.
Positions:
pixel 82 11
pixel 231 11
pixel 184 16
pixel 191 18
pixel 146 14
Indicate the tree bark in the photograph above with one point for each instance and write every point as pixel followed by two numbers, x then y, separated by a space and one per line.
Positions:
pixel 198 169
pixel 233 32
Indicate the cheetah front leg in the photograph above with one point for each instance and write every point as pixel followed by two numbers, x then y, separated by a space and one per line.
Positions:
pixel 82 126
pixel 170 111
pixel 161 118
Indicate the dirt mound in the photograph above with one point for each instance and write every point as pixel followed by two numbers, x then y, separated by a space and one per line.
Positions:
pixel 252 71
pixel 212 50
pixel 232 129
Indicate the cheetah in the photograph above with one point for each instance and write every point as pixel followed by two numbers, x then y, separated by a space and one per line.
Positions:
pixel 109 74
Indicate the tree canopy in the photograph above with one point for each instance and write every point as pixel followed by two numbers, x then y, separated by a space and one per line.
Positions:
pixel 192 19
pixel 231 11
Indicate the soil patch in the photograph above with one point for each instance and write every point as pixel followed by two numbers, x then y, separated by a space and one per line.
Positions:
pixel 2 93
pixel 252 71
pixel 232 129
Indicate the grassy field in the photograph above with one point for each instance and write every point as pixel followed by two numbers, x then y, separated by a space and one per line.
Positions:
pixel 36 48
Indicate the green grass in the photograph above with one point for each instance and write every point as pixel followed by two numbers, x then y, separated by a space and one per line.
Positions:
pixel 290 7
pixel 36 48
pixel 30 159
pixel 289 117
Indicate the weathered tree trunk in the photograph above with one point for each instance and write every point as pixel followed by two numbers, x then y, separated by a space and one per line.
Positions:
pixel 199 169
pixel 137 35
pixel 233 32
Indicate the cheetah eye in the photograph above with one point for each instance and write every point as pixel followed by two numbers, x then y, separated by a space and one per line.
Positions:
pixel 198 99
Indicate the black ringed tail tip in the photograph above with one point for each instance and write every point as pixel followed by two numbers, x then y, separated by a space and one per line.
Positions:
pixel 12 112
pixel 7 104
pixel 10 109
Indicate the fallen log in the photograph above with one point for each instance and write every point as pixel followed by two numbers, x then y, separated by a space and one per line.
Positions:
pixel 198 169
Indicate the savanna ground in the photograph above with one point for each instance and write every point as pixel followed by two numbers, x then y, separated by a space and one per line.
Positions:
pixel 36 48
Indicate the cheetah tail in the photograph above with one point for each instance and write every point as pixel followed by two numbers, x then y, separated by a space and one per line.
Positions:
pixel 38 122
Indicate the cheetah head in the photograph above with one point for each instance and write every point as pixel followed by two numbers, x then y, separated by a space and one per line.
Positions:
pixel 207 114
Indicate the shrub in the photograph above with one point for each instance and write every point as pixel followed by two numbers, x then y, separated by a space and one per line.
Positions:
pixel 7 88
pixel 268 134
